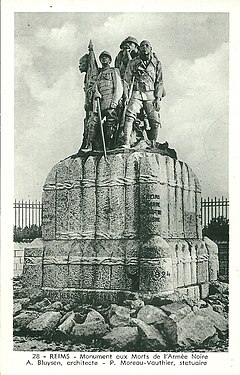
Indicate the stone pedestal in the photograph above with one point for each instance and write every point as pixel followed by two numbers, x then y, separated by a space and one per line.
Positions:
pixel 128 224
pixel 33 264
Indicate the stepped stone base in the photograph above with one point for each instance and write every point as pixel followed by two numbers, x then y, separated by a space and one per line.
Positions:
pixel 99 297
pixel 92 276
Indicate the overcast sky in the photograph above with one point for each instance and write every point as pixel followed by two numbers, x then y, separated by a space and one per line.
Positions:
pixel 193 49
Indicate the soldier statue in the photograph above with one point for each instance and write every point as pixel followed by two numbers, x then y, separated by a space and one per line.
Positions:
pixel 143 88
pixel 122 103
pixel 109 91
pixel 88 65
pixel 103 90
pixel 129 49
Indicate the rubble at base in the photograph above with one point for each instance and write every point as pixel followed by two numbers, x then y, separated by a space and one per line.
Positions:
pixel 177 324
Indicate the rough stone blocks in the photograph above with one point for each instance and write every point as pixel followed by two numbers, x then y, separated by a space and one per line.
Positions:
pixel 127 225
pixel 33 264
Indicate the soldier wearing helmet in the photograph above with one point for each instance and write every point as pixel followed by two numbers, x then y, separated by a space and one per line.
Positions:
pixel 109 90
pixel 128 50
pixel 145 73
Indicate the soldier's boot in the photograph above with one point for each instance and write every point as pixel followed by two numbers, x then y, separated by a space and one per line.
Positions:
pixel 108 140
pixel 110 130
pixel 153 133
pixel 87 148
pixel 128 126
pixel 87 144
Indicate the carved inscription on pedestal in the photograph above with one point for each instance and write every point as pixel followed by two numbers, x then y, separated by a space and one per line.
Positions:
pixel 151 207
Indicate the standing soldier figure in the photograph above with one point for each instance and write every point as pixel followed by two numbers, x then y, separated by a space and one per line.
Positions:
pixel 109 90
pixel 129 49
pixel 144 72
pixel 88 65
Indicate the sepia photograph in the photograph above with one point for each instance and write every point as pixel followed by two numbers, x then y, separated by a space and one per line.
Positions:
pixel 121 211
pixel 121 197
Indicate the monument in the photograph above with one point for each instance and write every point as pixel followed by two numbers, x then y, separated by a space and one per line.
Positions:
pixel 122 215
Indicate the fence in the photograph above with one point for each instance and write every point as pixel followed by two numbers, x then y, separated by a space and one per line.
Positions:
pixel 213 208
pixel 27 214
pixel 30 213
pixel 28 220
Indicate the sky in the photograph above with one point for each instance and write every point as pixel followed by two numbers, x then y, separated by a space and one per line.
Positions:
pixel 194 51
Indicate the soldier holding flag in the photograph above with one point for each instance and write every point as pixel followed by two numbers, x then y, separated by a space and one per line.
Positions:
pixel 88 65
pixel 103 91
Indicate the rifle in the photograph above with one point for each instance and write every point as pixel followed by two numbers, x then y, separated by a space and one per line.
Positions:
pixel 121 125
pixel 101 126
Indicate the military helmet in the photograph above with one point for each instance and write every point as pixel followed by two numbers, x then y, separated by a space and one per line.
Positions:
pixel 129 39
pixel 105 53
pixel 146 42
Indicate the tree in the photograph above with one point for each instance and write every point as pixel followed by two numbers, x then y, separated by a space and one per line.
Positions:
pixel 217 229
pixel 26 234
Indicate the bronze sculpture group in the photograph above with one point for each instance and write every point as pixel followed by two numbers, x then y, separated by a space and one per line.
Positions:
pixel 122 103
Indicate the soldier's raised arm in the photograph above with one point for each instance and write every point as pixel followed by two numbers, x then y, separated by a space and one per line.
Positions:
pixel 118 90
pixel 128 77
pixel 128 50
